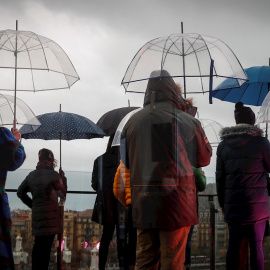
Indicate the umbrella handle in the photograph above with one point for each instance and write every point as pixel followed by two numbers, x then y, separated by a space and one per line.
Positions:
pixel 211 82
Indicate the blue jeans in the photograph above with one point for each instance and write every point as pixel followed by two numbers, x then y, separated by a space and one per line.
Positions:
pixel 255 233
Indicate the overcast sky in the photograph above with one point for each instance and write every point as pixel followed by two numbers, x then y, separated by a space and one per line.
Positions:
pixel 102 37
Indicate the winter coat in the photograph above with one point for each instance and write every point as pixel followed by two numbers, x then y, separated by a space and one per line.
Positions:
pixel 121 185
pixel 12 156
pixel 46 187
pixel 243 160
pixel 106 205
pixel 159 144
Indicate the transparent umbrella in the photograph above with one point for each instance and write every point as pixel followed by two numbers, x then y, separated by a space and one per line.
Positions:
pixel 198 62
pixel 25 115
pixel 30 62
pixel 211 129
pixel 264 113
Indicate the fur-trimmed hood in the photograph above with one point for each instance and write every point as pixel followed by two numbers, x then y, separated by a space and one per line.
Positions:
pixel 240 134
pixel 241 129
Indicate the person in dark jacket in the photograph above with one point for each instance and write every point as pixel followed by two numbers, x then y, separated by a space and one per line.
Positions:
pixel 160 144
pixel 12 156
pixel 108 211
pixel 46 186
pixel 241 169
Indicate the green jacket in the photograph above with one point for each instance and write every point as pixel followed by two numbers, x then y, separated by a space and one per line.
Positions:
pixel 200 179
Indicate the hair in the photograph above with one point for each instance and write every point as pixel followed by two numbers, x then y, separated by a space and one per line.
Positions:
pixel 47 155
pixel 187 103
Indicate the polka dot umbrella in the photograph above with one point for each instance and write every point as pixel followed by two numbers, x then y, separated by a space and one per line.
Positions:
pixel 62 126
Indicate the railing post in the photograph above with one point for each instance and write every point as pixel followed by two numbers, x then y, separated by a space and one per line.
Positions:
pixel 213 211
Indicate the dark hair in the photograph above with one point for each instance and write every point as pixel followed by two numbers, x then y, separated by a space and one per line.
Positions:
pixel 47 155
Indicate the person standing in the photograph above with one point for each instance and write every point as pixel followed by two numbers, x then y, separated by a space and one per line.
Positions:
pixel 12 156
pixel 159 145
pixel 241 179
pixel 46 186
pixel 108 211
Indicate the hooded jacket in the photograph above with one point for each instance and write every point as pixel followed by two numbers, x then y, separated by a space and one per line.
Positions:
pixel 159 144
pixel 242 164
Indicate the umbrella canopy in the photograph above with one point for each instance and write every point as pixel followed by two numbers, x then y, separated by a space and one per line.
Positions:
pixel 30 62
pixel 252 92
pixel 110 120
pixel 24 114
pixel 40 63
pixel 117 136
pixel 62 126
pixel 71 126
pixel 211 129
pixel 197 61
pixel 264 112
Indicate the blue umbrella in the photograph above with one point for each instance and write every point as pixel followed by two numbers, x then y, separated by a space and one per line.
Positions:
pixel 251 92
pixel 62 126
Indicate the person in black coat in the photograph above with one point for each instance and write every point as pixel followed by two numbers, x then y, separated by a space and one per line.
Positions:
pixel 46 186
pixel 108 211
pixel 241 178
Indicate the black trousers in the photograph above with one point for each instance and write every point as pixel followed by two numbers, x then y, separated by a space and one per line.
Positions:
pixel 41 252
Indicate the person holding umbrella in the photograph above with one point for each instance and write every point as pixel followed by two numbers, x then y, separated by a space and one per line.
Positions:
pixel 241 178
pixel 12 156
pixel 107 209
pixel 46 186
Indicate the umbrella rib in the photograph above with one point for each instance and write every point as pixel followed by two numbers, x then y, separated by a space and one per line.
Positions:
pixel 62 67
pixel 35 47
pixel 168 50
pixel 41 44
pixel 31 69
pixel 209 52
pixel 8 39
pixel 150 43
pixel 191 45
pixel 24 42
pixel 172 52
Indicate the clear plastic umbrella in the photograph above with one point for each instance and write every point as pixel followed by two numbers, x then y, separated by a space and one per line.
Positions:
pixel 211 129
pixel 198 62
pixel 25 115
pixel 117 136
pixel 30 62
pixel 264 113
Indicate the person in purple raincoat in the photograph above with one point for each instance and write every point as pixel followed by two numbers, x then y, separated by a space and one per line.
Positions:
pixel 241 177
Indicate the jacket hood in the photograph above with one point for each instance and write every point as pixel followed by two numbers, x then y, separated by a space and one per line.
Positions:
pixel 240 134
pixel 165 89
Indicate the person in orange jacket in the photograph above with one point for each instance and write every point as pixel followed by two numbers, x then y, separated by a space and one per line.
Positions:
pixel 122 191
